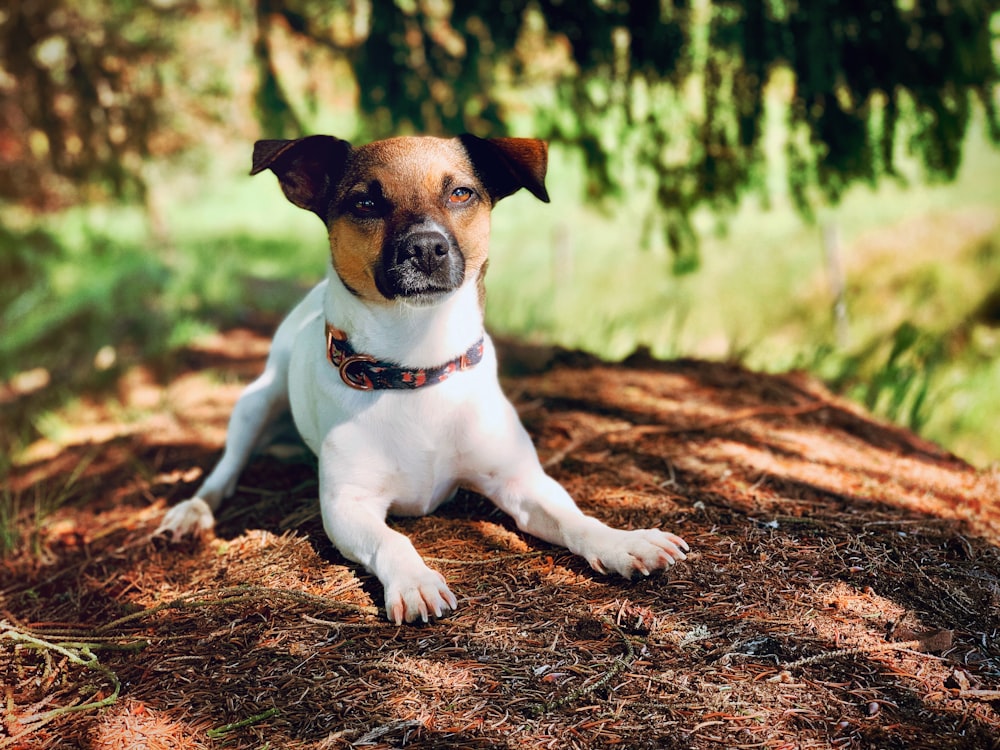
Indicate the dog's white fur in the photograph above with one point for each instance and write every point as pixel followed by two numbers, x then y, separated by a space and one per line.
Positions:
pixel 405 452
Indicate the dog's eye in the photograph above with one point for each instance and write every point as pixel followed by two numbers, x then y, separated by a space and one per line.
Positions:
pixel 460 195
pixel 364 207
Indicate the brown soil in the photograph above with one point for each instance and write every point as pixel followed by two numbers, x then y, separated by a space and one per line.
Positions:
pixel 843 590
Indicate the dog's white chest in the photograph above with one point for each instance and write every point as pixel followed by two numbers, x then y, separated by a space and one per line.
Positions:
pixel 413 448
pixel 422 454
pixel 416 448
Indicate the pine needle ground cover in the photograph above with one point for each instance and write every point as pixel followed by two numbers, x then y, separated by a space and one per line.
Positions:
pixel 842 591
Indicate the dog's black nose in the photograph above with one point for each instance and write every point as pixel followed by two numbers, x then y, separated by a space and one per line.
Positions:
pixel 424 259
pixel 428 249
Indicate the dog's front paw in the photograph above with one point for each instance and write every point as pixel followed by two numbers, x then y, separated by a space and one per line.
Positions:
pixel 190 518
pixel 627 552
pixel 418 594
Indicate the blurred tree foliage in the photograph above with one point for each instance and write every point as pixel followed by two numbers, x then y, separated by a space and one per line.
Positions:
pixel 670 95
pixel 675 91
pixel 64 105
pixel 86 96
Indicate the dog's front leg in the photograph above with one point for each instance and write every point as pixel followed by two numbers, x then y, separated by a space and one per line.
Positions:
pixel 354 514
pixel 541 507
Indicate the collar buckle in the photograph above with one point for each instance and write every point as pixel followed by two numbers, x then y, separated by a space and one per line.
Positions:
pixel 357 379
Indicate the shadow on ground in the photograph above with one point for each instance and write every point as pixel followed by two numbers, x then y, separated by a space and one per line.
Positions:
pixel 842 592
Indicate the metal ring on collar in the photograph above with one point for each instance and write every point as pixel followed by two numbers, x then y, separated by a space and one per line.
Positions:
pixel 358 380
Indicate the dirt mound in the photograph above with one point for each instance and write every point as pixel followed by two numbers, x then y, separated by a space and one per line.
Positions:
pixel 843 590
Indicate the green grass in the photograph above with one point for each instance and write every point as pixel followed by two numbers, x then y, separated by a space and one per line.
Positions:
pixel 919 261
pixel 36 503
pixel 567 272
pixel 756 276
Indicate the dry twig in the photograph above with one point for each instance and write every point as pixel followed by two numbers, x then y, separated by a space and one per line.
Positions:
pixel 914 646
pixel 79 653
pixel 235 594
pixel 616 668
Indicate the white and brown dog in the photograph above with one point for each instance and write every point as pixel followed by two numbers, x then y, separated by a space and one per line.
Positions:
pixel 388 373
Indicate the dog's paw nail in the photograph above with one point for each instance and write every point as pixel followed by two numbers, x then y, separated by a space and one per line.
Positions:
pixel 396 614
pixel 679 543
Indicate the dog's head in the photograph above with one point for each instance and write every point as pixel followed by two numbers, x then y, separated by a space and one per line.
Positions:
pixel 408 218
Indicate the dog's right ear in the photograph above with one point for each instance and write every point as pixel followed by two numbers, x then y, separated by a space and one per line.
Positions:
pixel 307 168
pixel 506 165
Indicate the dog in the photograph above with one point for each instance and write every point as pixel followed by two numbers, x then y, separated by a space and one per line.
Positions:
pixel 388 373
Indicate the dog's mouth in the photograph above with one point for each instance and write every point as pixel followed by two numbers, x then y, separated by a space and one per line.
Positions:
pixel 424 299
pixel 420 265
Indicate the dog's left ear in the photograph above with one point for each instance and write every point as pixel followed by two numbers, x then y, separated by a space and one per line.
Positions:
pixel 505 165
pixel 307 168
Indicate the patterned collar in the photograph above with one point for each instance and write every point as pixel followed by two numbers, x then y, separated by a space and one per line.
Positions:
pixel 365 373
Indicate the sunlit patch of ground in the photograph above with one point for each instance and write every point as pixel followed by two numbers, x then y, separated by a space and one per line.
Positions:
pixel 842 588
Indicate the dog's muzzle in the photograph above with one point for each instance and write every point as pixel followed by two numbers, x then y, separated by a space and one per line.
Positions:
pixel 423 260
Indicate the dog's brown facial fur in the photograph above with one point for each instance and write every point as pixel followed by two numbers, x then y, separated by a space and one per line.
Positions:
pixel 373 197
pixel 391 186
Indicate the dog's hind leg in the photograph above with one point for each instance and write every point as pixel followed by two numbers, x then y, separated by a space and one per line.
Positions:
pixel 259 406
